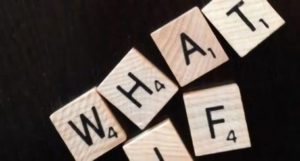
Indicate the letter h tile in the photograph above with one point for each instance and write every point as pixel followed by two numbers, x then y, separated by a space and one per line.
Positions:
pixel 137 88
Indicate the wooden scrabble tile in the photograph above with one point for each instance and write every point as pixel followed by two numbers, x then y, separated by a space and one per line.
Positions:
pixel 88 127
pixel 161 143
pixel 189 46
pixel 243 23
pixel 216 119
pixel 137 88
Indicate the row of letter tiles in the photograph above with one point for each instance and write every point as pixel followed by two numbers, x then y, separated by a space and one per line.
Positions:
pixel 191 49
pixel 161 142
pixel 140 90
pixel 215 115
pixel 217 120
pixel 88 127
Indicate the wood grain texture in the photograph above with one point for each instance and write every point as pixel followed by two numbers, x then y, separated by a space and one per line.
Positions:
pixel 198 103
pixel 156 91
pixel 161 142
pixel 241 36
pixel 53 51
pixel 168 40
pixel 83 106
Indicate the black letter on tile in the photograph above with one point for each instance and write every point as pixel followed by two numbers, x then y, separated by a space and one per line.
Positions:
pixel 239 13
pixel 85 123
pixel 159 156
pixel 159 86
pixel 134 88
pixel 264 22
pixel 212 53
pixel 212 122
pixel 187 53
pixel 112 132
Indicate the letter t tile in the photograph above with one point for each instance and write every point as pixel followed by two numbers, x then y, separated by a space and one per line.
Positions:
pixel 243 23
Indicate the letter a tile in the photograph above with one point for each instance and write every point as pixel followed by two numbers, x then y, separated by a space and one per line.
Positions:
pixel 243 23
pixel 160 143
pixel 217 120
pixel 137 88
pixel 87 127
pixel 189 46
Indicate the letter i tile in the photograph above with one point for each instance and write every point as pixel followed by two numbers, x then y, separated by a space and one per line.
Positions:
pixel 160 143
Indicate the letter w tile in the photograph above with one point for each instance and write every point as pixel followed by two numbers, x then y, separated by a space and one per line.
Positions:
pixel 85 123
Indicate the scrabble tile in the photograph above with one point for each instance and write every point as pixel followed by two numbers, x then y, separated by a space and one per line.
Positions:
pixel 189 46
pixel 161 143
pixel 243 23
pixel 87 126
pixel 216 119
pixel 137 88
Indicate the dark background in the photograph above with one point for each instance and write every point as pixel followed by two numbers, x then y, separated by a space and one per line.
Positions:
pixel 53 51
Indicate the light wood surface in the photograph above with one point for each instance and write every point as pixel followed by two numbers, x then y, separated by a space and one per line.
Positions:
pixel 168 39
pixel 216 119
pixel 145 100
pixel 160 143
pixel 91 106
pixel 262 19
